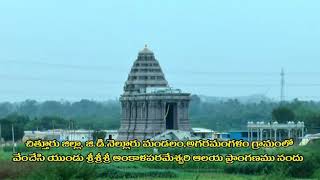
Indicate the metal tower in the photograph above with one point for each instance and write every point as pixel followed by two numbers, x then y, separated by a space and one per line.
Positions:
pixel 282 96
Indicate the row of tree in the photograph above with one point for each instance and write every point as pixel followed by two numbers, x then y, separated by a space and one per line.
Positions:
pixel 19 124
pixel 233 115
pixel 86 114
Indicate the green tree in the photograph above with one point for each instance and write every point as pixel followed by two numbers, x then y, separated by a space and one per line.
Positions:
pixel 98 135
pixel 18 122
pixel 283 114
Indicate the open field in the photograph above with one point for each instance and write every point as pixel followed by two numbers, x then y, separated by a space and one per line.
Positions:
pixel 310 168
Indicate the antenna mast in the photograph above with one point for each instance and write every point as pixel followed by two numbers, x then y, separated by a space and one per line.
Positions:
pixel 282 97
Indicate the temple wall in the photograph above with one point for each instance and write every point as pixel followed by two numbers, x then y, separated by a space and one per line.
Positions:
pixel 143 116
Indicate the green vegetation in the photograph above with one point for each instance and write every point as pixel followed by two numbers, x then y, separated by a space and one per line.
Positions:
pixel 233 115
pixel 221 115
pixel 63 115
pixel 309 168
pixel 16 122
pixel 283 115
pixel 218 115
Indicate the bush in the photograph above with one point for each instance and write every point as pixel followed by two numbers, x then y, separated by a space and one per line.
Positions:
pixel 316 174
pixel 64 171
pixel 19 148
pixel 249 168
pixel 115 173
pixel 303 169
pixel 11 170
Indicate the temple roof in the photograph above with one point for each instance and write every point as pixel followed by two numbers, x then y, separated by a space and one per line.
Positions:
pixel 145 50
pixel 145 72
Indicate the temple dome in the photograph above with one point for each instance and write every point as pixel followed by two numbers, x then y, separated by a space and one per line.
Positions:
pixel 145 50
pixel 145 72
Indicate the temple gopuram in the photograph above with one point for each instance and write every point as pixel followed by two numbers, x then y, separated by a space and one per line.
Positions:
pixel 149 105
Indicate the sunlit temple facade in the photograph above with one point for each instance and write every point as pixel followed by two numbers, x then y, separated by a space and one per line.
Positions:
pixel 149 105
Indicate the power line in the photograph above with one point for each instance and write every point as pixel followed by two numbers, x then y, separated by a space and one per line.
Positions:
pixel 120 83
pixel 60 65
pixel 28 78
pixel 90 81
pixel 181 71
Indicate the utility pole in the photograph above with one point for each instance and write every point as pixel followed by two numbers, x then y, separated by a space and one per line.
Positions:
pixel 69 131
pixel 74 130
pixel 282 96
pixel 13 145
pixel 52 127
pixel 0 136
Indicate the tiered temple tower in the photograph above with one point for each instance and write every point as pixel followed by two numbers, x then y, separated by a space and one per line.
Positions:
pixel 149 105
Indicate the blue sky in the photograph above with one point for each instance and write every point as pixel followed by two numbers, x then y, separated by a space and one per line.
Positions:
pixel 85 49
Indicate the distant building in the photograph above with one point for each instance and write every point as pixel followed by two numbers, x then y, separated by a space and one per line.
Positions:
pixel 76 135
pixel 264 131
pixel 43 135
pixel 66 135
pixel 222 136
pixel 194 134
pixel 204 133
pixel 275 131
pixel 149 105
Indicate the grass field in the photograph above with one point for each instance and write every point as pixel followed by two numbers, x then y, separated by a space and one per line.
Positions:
pixel 309 169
